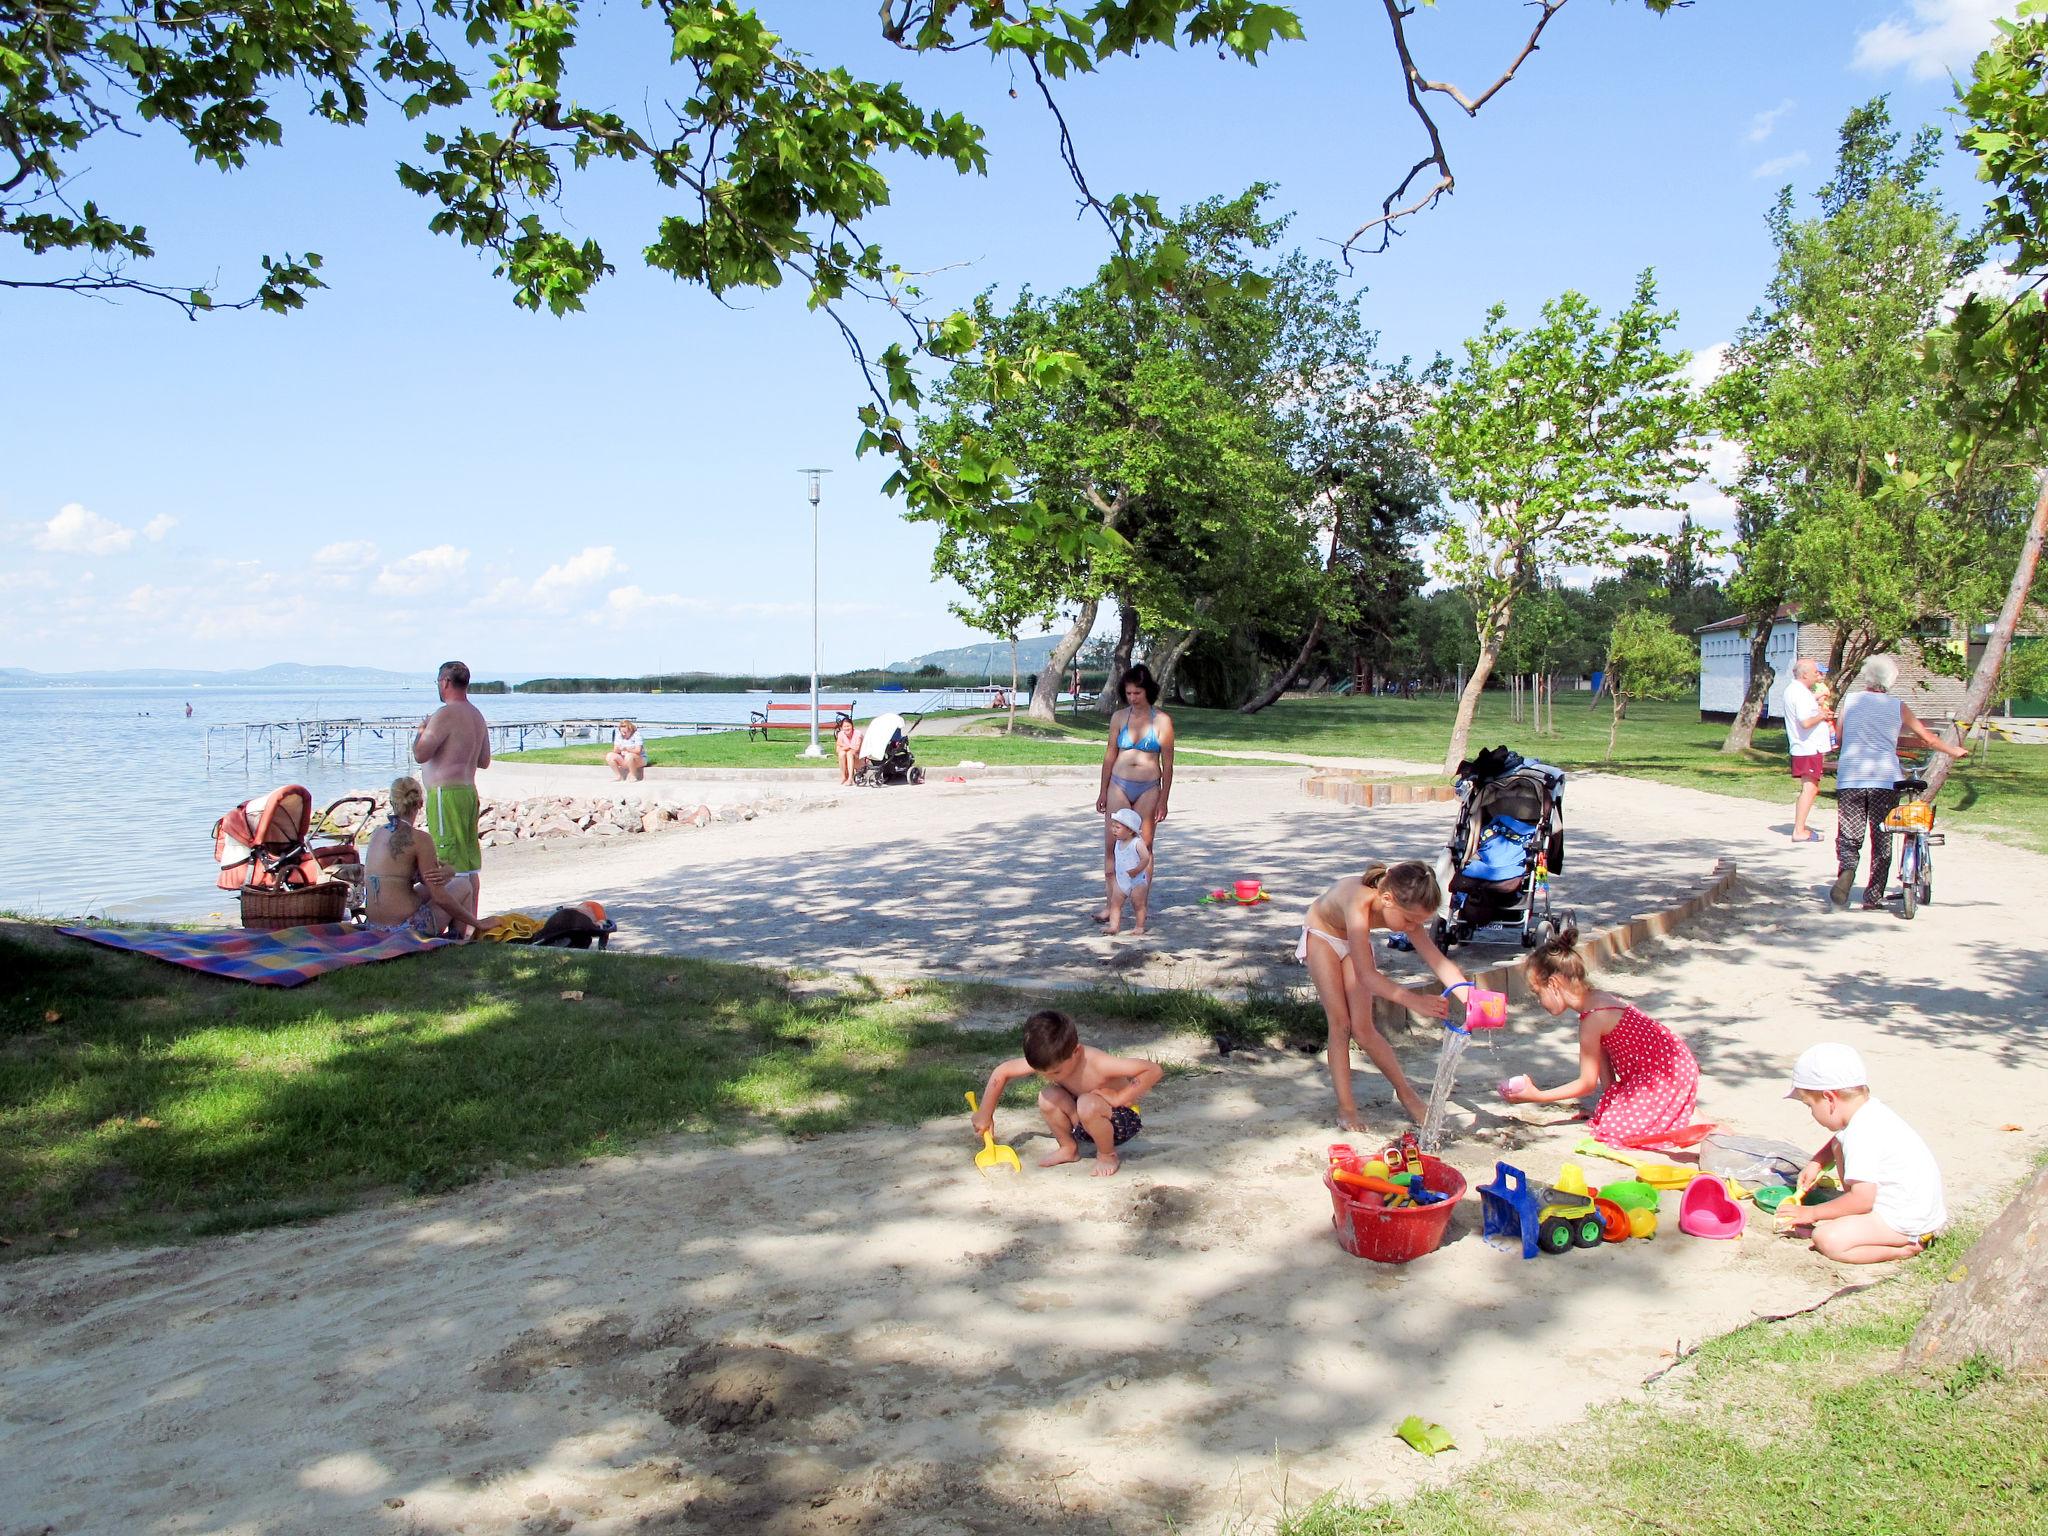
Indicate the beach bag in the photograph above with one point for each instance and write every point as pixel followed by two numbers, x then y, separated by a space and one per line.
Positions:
pixel 1752 1160
pixel 1503 851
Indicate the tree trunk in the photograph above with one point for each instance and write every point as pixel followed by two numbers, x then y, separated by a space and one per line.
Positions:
pixel 1169 669
pixel 1120 660
pixel 1835 650
pixel 1010 727
pixel 1045 698
pixel 1285 680
pixel 1999 1306
pixel 1758 692
pixel 1850 652
pixel 1614 723
pixel 1468 705
pixel 1978 699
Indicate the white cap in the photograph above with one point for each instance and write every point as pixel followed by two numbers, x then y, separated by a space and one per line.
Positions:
pixel 1824 1067
pixel 1129 818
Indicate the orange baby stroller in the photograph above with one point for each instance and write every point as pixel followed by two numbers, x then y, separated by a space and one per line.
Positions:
pixel 266 851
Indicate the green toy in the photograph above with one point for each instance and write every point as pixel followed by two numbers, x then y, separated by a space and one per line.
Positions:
pixel 1632 1194
pixel 1771 1196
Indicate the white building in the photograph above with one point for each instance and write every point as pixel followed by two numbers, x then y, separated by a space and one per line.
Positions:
pixel 1724 667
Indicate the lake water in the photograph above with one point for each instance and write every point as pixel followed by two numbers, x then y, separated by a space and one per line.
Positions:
pixel 107 799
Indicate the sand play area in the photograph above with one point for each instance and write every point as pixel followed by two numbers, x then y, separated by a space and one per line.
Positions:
pixel 861 1334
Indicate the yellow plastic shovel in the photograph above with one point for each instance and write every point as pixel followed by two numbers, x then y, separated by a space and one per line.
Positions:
pixel 991 1155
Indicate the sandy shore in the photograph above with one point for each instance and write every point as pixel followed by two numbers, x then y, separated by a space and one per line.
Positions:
pixel 860 1334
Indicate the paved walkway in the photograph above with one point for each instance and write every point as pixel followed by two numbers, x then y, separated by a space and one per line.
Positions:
pixel 995 879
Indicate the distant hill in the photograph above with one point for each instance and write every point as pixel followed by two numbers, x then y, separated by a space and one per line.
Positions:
pixel 992 659
pixel 281 674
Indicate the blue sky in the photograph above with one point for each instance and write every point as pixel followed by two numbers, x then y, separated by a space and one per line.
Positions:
pixel 411 468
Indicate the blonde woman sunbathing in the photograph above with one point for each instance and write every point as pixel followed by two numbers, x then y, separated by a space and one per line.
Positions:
pixel 404 884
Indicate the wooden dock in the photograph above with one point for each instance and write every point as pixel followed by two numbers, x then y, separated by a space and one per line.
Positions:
pixel 360 739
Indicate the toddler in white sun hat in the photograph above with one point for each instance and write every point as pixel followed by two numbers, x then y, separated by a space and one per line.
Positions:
pixel 1133 869
pixel 1892 1202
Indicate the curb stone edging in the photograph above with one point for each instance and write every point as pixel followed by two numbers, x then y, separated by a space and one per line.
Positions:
pixel 1352 788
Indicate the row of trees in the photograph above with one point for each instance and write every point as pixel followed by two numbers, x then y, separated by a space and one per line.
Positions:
pixel 1259 481
pixel 1842 392
pixel 1230 436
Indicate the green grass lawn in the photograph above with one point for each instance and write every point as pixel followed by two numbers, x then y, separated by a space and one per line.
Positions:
pixel 138 1101
pixel 2005 795
pixel 735 749
pixel 1804 1428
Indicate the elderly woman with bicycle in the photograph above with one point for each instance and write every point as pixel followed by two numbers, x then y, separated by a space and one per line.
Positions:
pixel 1871 723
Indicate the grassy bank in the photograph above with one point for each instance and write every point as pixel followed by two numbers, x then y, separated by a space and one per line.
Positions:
pixel 138 1101
pixel 1805 1428
pixel 2004 795
pixel 734 749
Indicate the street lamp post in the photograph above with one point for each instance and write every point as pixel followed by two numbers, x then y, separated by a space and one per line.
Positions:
pixel 814 750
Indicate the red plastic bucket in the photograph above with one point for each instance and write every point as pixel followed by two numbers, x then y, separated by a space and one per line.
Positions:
pixel 1369 1230
pixel 1247 890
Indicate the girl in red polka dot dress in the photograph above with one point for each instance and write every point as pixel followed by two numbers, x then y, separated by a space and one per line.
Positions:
pixel 1647 1079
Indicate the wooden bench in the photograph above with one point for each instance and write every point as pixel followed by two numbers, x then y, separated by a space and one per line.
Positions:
pixel 761 721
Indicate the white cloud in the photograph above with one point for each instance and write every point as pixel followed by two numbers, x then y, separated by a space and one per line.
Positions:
pixel 579 571
pixel 1939 38
pixel 422 572
pixel 348 555
pixel 155 529
pixel 1780 164
pixel 1764 124
pixel 1706 365
pixel 152 602
pixel 507 595
pixel 624 604
pixel 75 530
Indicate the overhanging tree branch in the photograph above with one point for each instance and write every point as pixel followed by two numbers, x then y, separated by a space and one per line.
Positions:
pixel 1418 85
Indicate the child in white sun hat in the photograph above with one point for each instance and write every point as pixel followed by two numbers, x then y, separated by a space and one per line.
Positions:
pixel 1892 1202
pixel 1133 869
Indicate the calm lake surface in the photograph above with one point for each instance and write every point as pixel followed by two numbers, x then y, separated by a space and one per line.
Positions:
pixel 107 799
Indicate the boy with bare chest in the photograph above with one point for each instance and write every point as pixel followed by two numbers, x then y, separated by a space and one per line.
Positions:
pixel 1088 1094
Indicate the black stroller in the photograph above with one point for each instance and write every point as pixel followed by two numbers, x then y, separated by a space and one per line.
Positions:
pixel 1508 843
pixel 897 764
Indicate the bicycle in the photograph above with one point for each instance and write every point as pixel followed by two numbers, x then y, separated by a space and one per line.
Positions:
pixel 1912 820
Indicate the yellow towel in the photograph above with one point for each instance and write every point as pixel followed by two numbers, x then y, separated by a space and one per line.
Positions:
pixel 508 928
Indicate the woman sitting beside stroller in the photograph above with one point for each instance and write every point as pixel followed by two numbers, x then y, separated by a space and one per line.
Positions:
pixel 404 884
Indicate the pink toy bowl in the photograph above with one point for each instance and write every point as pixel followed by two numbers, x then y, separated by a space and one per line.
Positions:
pixel 1705 1210
pixel 1247 890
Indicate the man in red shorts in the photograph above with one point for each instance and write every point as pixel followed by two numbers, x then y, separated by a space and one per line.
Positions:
pixel 1810 728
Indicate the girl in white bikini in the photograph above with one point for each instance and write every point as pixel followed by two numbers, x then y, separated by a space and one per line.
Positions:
pixel 1336 946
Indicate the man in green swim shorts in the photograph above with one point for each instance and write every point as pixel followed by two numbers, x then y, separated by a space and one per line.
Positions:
pixel 452 744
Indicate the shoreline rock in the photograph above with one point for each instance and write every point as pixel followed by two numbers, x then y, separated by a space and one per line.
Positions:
pixel 587 819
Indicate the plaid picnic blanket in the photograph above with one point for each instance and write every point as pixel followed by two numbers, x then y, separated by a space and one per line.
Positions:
pixel 285 957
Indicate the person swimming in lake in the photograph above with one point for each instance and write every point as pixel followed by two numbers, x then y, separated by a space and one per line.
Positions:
pixel 1336 946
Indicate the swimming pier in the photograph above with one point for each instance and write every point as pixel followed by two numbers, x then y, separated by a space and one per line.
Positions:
pixel 359 739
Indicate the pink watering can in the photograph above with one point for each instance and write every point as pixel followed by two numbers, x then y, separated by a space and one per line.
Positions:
pixel 1483 1009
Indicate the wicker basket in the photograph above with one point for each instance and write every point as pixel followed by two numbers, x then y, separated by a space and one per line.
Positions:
pixel 322 903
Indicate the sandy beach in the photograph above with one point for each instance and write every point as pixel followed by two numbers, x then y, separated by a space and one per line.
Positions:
pixel 859 1333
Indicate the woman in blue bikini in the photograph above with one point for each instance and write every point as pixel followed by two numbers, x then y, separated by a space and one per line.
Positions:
pixel 1137 769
